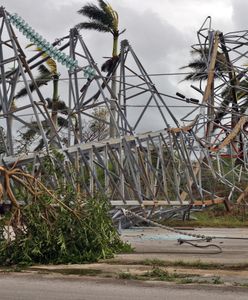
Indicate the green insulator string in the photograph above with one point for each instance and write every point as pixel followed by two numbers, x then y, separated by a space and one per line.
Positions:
pixel 89 72
pixel 42 43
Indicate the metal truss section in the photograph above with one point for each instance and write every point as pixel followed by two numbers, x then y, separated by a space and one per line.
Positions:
pixel 198 160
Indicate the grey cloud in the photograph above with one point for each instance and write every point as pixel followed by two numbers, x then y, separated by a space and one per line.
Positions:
pixel 152 37
pixel 159 45
pixel 48 17
pixel 240 9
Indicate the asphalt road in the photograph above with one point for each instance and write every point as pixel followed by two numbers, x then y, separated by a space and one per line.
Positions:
pixel 38 287
pixel 157 243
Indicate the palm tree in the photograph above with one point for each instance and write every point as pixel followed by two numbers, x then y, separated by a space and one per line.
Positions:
pixel 199 72
pixel 104 19
pixel 47 73
pixel 234 94
pixel 199 67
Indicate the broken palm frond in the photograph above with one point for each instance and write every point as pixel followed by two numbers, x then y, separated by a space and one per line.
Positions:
pixel 42 227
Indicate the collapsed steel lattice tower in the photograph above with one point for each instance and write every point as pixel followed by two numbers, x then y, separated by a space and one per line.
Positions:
pixel 202 162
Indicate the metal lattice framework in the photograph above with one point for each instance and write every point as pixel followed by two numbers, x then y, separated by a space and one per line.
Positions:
pixel 203 161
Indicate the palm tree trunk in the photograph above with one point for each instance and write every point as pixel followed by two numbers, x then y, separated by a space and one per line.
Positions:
pixel 115 45
pixel 113 119
pixel 55 99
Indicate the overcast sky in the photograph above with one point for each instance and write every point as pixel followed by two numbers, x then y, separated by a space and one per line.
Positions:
pixel 160 31
pixel 171 25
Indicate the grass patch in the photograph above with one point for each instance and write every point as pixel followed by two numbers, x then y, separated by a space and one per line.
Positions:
pixel 157 274
pixel 127 275
pixel 11 269
pixel 217 280
pixel 183 264
pixel 160 274
pixel 215 216
pixel 198 264
pixel 186 281
pixel 245 285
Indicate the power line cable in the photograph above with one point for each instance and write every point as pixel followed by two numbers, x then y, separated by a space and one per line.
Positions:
pixel 133 75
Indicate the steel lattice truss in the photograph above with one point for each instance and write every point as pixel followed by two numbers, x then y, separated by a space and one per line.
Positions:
pixel 203 161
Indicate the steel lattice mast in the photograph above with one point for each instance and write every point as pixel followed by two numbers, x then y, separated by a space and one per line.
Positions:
pixel 168 167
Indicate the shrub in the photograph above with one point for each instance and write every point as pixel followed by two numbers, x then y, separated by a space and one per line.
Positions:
pixel 77 232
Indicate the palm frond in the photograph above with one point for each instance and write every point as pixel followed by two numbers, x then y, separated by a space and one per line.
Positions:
pixel 31 45
pixel 228 100
pixel 49 103
pixel 226 94
pixel 196 76
pixel 93 26
pixel 30 132
pixel 44 72
pixel 44 77
pixel 96 14
pixel 62 122
pixel 114 17
pixel 103 5
pixel 242 83
pixel 52 65
pixel 50 62
pixel 242 92
pixel 60 106
pixel 223 110
pixel 110 64
pixel 198 64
